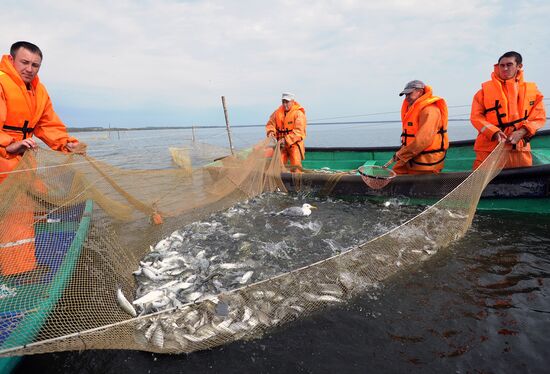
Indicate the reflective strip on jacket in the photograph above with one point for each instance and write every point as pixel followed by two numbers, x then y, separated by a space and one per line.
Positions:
pixel 433 155
pixel 290 126
pixel 506 106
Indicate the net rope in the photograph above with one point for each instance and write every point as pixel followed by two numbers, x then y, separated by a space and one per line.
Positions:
pixel 90 224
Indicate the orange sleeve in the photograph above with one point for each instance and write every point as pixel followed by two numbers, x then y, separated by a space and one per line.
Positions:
pixel 299 131
pixel 51 130
pixel 270 126
pixel 478 119
pixel 5 139
pixel 537 117
pixel 429 122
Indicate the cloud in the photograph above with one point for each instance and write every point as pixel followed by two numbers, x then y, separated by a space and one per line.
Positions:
pixel 172 60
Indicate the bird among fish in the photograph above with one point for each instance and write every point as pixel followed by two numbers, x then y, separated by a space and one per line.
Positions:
pixel 297 211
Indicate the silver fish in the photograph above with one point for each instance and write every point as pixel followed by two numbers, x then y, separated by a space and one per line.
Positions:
pixel 263 318
pixel 181 286
pixel 176 272
pixel 194 296
pixel 331 289
pixel 330 299
pixel 247 313
pixel 199 338
pixel 258 294
pixel 239 326
pixel 246 277
pixel 149 297
pixel 191 278
pixel 230 266
pixel 163 245
pixel 269 294
pixel 253 322
pixel 297 308
pixel 184 343
pixel 177 236
pixel 124 303
pixel 347 280
pixel 192 317
pixel 168 284
pixel 207 331
pixel 223 327
pixel 157 339
pixel 151 329
pixel 151 275
pixel 161 303
pixel 310 297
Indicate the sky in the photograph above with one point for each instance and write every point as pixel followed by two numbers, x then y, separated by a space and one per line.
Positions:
pixel 167 63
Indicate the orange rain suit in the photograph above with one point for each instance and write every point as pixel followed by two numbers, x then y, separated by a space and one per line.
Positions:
pixel 291 127
pixel 507 106
pixel 24 112
pixel 424 140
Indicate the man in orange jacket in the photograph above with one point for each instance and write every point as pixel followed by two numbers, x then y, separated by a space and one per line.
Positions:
pixel 25 110
pixel 288 125
pixel 507 109
pixel 424 140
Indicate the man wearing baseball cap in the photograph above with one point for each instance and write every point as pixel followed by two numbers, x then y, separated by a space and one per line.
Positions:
pixel 288 125
pixel 424 140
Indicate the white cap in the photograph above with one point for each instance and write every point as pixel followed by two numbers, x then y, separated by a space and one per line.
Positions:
pixel 288 96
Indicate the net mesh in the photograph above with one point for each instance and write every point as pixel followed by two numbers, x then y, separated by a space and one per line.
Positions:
pixel 375 176
pixel 89 224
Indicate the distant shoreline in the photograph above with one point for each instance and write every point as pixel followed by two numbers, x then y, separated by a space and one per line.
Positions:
pixel 99 128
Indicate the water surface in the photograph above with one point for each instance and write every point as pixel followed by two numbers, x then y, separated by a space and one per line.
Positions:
pixel 482 305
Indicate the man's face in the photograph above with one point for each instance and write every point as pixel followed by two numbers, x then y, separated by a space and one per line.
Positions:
pixel 508 68
pixel 287 104
pixel 414 95
pixel 26 64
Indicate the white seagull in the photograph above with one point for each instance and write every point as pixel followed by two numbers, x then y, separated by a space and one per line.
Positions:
pixel 297 211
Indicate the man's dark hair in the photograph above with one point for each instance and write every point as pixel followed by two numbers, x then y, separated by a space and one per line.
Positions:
pixel 513 54
pixel 28 46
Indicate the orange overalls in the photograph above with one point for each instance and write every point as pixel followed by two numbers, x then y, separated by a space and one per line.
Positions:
pixel 507 106
pixel 424 140
pixel 24 112
pixel 291 127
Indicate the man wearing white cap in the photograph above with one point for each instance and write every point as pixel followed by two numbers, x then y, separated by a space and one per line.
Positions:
pixel 288 125
pixel 424 140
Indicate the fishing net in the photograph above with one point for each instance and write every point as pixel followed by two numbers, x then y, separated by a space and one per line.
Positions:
pixel 376 177
pixel 94 235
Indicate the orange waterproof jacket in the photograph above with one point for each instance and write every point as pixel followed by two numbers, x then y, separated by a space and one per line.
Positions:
pixel 24 113
pixel 424 138
pixel 506 106
pixel 290 126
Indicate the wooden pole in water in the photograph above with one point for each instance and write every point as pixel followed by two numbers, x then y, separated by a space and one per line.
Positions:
pixel 227 125
pixel 193 128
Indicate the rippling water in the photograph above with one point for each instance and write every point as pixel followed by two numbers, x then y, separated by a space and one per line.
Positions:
pixel 481 305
